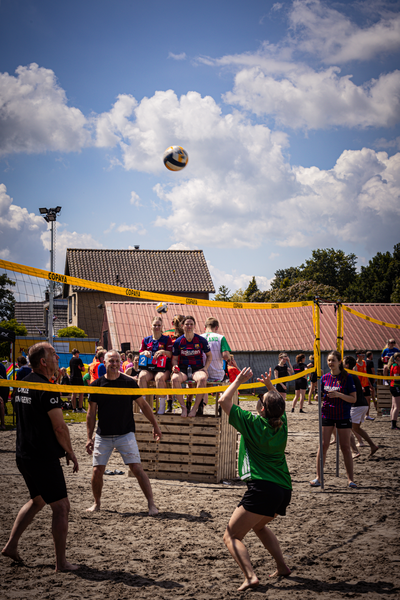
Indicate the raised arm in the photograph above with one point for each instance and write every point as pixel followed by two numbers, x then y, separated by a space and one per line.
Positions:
pixel 266 380
pixel 226 399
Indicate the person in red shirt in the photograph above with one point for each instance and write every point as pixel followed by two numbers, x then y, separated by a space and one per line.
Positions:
pixel 361 367
pixel 233 370
pixel 394 366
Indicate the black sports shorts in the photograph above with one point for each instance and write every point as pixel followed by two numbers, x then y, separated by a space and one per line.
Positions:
pixel 300 384
pixel 367 390
pixel 266 498
pixel 45 479
pixel 280 389
pixel 395 390
pixel 314 377
pixel 340 423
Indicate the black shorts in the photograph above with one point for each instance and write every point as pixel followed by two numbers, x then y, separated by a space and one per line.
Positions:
pixel 366 390
pixel 300 384
pixel 314 377
pixel 45 479
pixel 266 498
pixel 395 390
pixel 76 381
pixel 280 389
pixel 340 423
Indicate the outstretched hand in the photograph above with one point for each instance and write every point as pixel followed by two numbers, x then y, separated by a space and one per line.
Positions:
pixel 266 380
pixel 244 375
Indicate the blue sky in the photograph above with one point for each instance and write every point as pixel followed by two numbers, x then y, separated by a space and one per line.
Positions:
pixel 289 112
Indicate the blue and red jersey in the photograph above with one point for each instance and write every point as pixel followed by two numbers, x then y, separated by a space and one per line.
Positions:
pixel 163 343
pixel 336 408
pixel 191 353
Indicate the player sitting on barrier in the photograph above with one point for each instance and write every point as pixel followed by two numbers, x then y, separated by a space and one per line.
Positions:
pixel 188 354
pixel 155 360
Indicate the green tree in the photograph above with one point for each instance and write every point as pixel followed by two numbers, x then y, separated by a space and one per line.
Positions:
pixel 379 280
pixel 238 296
pixel 18 328
pixel 7 300
pixel 285 278
pixel 223 294
pixel 71 332
pixel 251 289
pixel 305 291
pixel 330 267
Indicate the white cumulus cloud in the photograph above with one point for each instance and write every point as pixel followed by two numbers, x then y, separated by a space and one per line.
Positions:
pixel 35 116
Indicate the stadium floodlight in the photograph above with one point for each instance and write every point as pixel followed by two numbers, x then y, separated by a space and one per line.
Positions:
pixel 50 216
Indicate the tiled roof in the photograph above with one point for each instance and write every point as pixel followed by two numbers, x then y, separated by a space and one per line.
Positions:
pixel 256 330
pixel 31 314
pixel 168 271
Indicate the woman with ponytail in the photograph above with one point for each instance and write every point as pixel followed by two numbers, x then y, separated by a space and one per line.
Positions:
pixel 338 393
pixel 262 464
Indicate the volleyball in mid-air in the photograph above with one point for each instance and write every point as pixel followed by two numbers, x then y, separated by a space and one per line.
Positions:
pixel 162 307
pixel 175 158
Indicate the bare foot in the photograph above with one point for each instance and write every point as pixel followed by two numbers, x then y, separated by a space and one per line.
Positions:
pixel 357 455
pixel 153 511
pixel 249 583
pixel 66 567
pixel 283 572
pixel 94 508
pixel 13 555
pixel 332 442
pixel 192 412
pixel 184 411
pixel 373 450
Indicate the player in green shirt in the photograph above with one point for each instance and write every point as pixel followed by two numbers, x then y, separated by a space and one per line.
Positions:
pixel 262 465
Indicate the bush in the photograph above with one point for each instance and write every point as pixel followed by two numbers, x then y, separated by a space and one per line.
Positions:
pixel 71 332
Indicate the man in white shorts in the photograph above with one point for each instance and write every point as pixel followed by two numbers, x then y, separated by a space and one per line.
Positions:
pixel 116 429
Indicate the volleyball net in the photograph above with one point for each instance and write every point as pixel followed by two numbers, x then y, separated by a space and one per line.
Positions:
pixel 116 317
pixel 348 319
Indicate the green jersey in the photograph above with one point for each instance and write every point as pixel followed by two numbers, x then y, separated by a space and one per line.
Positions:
pixel 262 448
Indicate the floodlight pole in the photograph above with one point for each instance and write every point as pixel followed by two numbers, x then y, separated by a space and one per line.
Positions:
pixel 50 216
pixel 51 287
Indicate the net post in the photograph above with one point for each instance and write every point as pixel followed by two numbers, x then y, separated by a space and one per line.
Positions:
pixel 319 371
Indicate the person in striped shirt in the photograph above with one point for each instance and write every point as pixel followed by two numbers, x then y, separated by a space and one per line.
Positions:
pixel 338 393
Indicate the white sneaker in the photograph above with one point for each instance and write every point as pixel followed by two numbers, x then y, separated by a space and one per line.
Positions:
pixel 370 418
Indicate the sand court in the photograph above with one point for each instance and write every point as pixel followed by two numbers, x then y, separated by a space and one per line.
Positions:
pixel 339 544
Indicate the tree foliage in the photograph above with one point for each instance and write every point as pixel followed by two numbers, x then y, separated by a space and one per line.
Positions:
pixel 379 280
pixel 223 294
pixel 71 332
pixel 251 289
pixel 7 300
pixel 238 296
pixel 12 325
pixel 298 292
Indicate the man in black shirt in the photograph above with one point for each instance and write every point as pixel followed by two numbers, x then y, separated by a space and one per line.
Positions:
pixel 76 367
pixel 42 439
pixel 116 429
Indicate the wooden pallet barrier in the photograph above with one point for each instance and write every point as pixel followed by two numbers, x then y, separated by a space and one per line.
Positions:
pixel 384 399
pixel 193 449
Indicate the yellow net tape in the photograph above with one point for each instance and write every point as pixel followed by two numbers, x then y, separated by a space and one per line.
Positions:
pixel 385 377
pixel 84 389
pixel 371 319
pixel 127 292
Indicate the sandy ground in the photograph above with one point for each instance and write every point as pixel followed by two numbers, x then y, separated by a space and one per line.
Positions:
pixel 340 543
